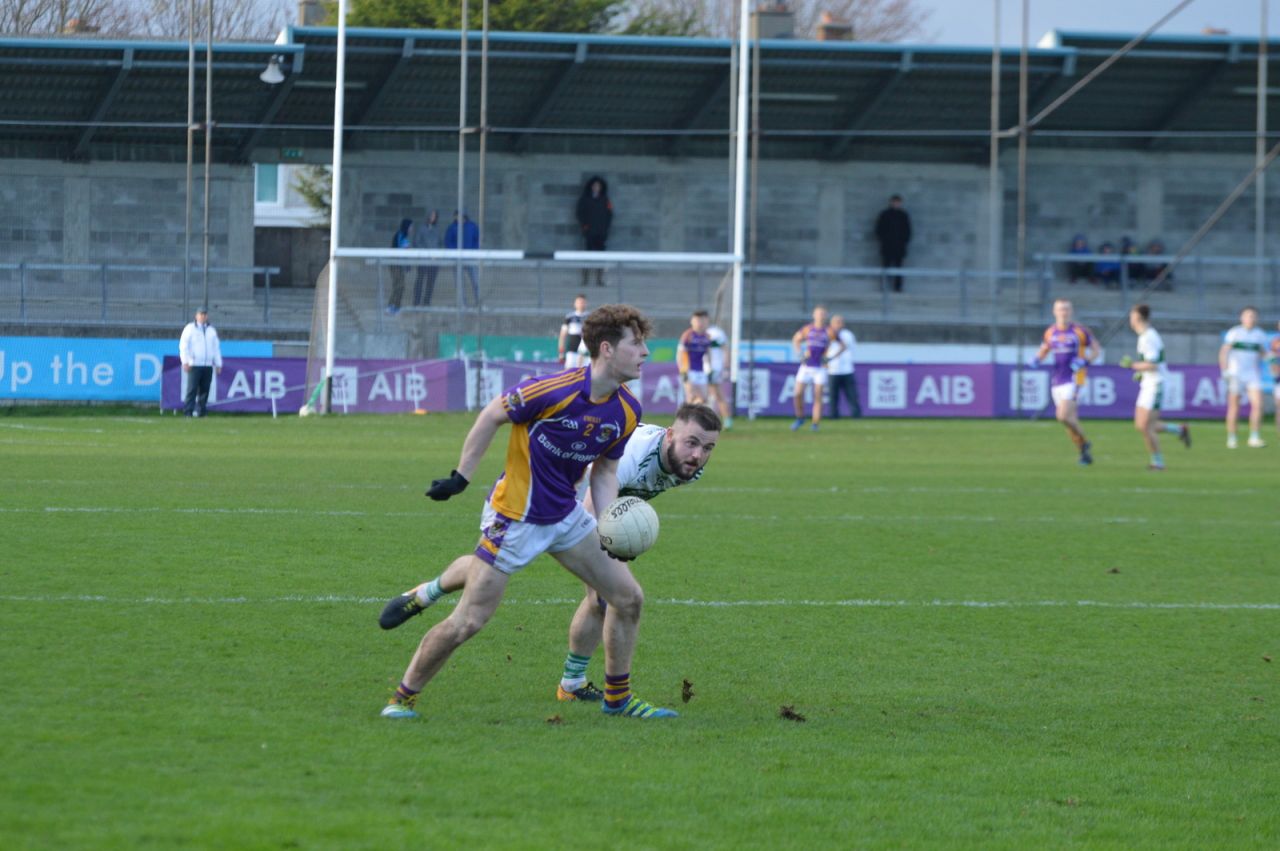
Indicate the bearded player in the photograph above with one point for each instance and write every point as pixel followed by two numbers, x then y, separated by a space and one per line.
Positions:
pixel 1073 347
pixel 656 459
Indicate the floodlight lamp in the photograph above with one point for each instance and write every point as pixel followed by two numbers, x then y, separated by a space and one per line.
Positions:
pixel 272 76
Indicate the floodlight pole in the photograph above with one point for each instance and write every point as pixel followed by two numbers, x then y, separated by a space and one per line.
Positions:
pixel 208 146
pixel 191 120
pixel 740 196
pixel 1260 153
pixel 480 178
pixel 1022 192
pixel 462 178
pixel 335 203
pixel 995 221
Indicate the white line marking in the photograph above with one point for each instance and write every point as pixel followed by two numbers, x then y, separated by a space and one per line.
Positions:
pixel 26 427
pixel 666 515
pixel 881 489
pixel 710 604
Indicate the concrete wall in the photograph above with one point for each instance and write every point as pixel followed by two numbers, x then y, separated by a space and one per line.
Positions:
pixel 818 213
pixel 116 212
pixel 810 212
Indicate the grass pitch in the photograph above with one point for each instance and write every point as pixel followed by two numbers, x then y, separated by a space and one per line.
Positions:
pixel 991 647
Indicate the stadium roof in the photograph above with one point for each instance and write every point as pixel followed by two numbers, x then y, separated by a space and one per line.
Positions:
pixel 76 98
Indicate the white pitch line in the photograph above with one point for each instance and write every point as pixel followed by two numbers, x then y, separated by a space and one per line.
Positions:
pixel 666 515
pixel 709 604
pixel 28 427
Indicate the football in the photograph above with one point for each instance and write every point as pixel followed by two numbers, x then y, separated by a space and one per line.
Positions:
pixel 628 527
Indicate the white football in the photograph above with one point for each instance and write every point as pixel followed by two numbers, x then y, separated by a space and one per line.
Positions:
pixel 628 527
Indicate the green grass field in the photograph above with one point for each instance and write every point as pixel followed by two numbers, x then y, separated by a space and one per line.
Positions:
pixel 992 647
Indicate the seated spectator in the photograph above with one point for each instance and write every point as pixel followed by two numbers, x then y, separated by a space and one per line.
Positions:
pixel 1155 248
pixel 1129 249
pixel 1076 271
pixel 1108 271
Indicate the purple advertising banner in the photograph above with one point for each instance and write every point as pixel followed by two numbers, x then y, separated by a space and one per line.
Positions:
pixel 884 390
pixel 1190 392
pixel 260 385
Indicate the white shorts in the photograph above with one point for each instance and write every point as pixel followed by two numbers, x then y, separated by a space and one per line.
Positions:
pixel 1150 394
pixel 575 359
pixel 815 375
pixel 1064 392
pixel 716 376
pixel 1243 381
pixel 509 544
pixel 696 376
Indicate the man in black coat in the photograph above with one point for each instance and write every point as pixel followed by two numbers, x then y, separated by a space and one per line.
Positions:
pixel 595 215
pixel 893 230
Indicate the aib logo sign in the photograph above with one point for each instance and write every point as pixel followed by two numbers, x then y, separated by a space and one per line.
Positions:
pixel 1032 393
pixel 887 390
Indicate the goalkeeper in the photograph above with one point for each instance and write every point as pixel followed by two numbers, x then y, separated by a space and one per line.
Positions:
pixel 656 459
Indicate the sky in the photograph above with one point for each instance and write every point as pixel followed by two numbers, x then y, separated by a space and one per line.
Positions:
pixel 970 21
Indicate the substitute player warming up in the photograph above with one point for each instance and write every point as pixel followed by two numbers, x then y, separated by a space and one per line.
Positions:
pixel 1150 369
pixel 1073 348
pixel 560 425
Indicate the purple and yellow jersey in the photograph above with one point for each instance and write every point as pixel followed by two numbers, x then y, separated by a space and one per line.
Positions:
pixel 1067 345
pixel 691 354
pixel 557 431
pixel 816 340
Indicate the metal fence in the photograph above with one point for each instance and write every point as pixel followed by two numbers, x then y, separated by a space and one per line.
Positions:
pixel 39 293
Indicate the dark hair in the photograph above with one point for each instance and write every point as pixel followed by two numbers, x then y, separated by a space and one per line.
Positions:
pixel 610 322
pixel 895 197
pixel 579 295
pixel 1143 310
pixel 700 415
pixel 701 313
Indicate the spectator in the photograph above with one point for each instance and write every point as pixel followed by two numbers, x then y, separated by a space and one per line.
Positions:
pixel 426 235
pixel 595 216
pixel 840 368
pixel 470 239
pixel 1108 271
pixel 200 353
pixel 401 239
pixel 1079 269
pixel 1129 250
pixel 1155 248
pixel 893 230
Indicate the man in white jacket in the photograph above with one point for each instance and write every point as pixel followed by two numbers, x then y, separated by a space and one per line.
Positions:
pixel 201 354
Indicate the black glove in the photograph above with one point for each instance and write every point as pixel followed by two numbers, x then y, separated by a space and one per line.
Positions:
pixel 442 489
pixel 615 556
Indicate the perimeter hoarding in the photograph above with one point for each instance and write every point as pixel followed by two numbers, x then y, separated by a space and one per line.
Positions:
pixel 884 390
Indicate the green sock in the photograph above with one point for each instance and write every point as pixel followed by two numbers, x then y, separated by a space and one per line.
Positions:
pixel 575 671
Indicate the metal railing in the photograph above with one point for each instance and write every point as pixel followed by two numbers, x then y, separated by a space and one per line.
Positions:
pixel 42 293
pixel 1196 277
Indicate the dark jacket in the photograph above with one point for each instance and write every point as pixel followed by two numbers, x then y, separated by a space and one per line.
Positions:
pixel 893 229
pixel 595 213
pixel 470 234
pixel 401 239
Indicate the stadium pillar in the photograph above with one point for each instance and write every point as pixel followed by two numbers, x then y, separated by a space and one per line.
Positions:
pixel 1260 153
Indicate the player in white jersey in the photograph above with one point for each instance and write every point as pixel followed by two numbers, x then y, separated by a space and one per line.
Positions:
pixel 1240 358
pixel 1152 372
pixel 718 355
pixel 1275 372
pixel 656 459
pixel 571 348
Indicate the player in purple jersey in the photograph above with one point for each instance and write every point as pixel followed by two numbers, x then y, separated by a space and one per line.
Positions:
pixel 561 424
pixel 811 343
pixel 693 355
pixel 1073 347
